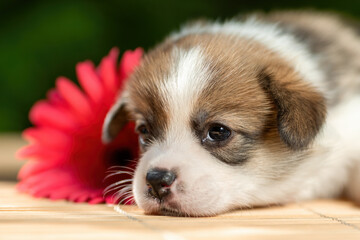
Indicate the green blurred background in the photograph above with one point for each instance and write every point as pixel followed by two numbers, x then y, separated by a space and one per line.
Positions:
pixel 40 40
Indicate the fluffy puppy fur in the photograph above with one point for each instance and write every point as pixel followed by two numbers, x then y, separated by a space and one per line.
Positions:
pixel 284 86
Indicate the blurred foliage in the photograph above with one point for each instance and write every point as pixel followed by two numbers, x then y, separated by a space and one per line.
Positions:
pixel 41 40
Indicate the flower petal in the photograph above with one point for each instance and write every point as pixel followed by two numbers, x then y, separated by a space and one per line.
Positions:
pixel 40 153
pixel 108 71
pixel 48 137
pixel 109 200
pixel 96 200
pixel 83 198
pixel 76 195
pixel 74 97
pixel 42 186
pixel 90 81
pixel 61 193
pixel 32 168
pixel 129 61
pixel 43 114
pixel 55 99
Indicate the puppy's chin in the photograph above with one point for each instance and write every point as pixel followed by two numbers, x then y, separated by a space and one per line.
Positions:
pixel 170 207
pixel 167 208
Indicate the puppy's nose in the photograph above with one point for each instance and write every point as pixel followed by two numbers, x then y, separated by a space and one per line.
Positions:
pixel 159 182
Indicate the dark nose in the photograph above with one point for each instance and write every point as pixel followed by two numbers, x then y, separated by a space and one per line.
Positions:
pixel 159 182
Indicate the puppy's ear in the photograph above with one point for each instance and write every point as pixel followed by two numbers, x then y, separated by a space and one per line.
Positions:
pixel 115 120
pixel 300 107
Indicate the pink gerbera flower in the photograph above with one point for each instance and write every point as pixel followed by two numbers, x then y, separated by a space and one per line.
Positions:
pixel 67 158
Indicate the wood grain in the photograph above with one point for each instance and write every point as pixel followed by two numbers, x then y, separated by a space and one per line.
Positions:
pixel 23 217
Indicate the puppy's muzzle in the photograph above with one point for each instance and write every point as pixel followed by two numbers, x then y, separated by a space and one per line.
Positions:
pixel 159 182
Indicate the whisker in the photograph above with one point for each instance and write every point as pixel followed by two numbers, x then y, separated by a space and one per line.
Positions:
pixel 116 184
pixel 121 167
pixel 122 189
pixel 136 160
pixel 126 198
pixel 126 195
pixel 118 173
pixel 114 171
pixel 106 191
pixel 114 167
pixel 125 189
pixel 118 169
pixel 123 193
pixel 128 168
pixel 130 200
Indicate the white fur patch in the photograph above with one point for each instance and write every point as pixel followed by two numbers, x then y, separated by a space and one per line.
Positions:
pixel 188 77
pixel 272 37
pixel 345 120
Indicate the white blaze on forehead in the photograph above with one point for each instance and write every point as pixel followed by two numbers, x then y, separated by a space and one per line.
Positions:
pixel 188 76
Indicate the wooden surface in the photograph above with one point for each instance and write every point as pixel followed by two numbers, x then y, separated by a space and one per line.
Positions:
pixel 9 166
pixel 23 217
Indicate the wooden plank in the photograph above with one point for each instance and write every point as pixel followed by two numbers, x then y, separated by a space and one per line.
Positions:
pixel 9 166
pixel 23 217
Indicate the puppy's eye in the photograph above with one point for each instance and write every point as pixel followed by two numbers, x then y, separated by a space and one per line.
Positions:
pixel 143 132
pixel 218 133
pixel 142 129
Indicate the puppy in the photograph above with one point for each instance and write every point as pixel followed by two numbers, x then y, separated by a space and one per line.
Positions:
pixel 251 112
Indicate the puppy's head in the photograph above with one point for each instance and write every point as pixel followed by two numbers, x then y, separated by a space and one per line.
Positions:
pixel 221 120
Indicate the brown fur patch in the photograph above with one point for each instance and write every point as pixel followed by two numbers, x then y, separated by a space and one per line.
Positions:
pixel 333 41
pixel 301 110
pixel 146 99
pixel 118 121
